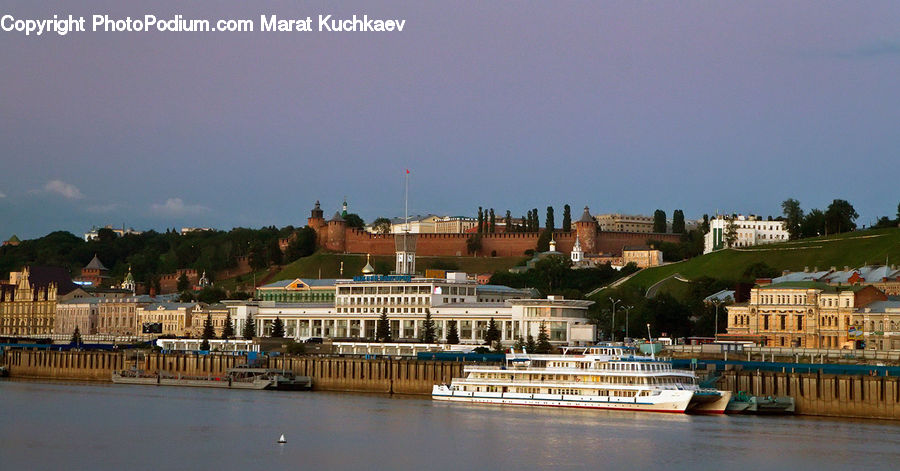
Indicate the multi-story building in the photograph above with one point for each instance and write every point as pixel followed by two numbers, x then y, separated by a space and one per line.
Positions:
pixel 168 318
pixel 454 224
pixel 642 256
pixel 406 301
pixel 94 234
pixel 624 223
pixel 28 300
pixel 878 324
pixel 803 314
pixel 80 313
pixel 298 290
pixel 240 312
pixel 94 273
pixel 749 230
pixel 218 315
pixel 120 316
pixel 884 277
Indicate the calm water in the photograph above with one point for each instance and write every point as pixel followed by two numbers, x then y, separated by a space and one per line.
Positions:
pixel 45 425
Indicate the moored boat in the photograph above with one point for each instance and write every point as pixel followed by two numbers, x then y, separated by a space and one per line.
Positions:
pixel 603 377
pixel 234 378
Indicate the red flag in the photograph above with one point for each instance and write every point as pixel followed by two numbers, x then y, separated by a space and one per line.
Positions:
pixel 407 171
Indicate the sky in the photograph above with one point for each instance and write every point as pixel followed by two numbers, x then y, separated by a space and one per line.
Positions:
pixel 623 106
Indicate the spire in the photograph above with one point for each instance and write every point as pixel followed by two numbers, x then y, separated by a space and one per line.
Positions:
pixel 344 208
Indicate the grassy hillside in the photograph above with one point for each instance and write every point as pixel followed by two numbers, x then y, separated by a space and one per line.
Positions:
pixel 328 265
pixel 852 249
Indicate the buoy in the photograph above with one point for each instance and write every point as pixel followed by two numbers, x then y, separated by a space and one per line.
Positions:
pixel 281 439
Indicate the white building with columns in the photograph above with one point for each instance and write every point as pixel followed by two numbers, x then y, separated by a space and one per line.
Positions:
pixel 405 299
pixel 750 230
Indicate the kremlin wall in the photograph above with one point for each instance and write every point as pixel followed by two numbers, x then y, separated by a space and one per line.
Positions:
pixel 334 235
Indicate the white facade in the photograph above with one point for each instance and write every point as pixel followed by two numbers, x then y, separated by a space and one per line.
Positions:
pixel 751 231
pixel 405 300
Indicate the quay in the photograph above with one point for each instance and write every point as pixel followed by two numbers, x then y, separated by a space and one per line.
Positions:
pixel 815 391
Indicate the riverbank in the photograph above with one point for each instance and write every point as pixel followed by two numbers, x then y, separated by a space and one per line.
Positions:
pixel 816 394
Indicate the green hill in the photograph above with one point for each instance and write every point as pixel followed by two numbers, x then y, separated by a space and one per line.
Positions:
pixel 328 265
pixel 852 249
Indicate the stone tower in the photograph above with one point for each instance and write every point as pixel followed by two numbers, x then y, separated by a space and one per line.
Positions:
pixel 336 234
pixel 586 231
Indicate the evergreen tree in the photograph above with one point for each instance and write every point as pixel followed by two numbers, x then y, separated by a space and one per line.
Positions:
pixel 705 226
pixel 428 330
pixel 543 242
pixel 184 283
pixel 480 220
pixel 493 333
pixel 452 333
pixel 497 347
pixel 519 345
pixel 208 331
pixel 76 337
pixel 549 224
pixel 204 345
pixel 493 220
pixel 249 330
pixel 523 227
pixel 278 328
pixel 530 345
pixel 228 328
pixel 659 221
pixel 678 222
pixel 536 225
pixel 383 327
pixel 509 227
pixel 543 340
pixel 275 254
pixel 567 219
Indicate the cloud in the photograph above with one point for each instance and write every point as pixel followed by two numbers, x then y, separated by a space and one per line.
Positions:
pixel 103 208
pixel 176 207
pixel 62 188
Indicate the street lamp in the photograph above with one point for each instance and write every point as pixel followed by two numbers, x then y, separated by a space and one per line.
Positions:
pixel 627 311
pixel 612 330
pixel 716 302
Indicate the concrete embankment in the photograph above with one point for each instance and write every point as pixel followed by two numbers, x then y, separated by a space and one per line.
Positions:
pixel 328 373
pixel 823 394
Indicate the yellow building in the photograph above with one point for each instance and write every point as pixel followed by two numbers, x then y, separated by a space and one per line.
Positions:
pixel 219 315
pixel 801 314
pixel 642 256
pixel 168 318
pixel 28 300
pixel 80 313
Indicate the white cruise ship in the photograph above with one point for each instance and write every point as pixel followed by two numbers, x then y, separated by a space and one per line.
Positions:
pixel 603 377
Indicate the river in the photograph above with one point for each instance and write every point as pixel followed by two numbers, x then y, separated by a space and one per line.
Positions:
pixel 56 425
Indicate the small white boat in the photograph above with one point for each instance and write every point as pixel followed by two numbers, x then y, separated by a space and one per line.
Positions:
pixel 281 439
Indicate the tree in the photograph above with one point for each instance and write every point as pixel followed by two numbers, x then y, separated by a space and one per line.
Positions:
pixel 543 340
pixel 678 222
pixel 228 328
pixel 480 221
pixel 428 330
pixel 493 227
pixel 535 223
pixel 353 220
pixel 705 226
pixel 659 221
pixel 508 222
pixel 184 283
pixel 543 242
pixel 731 234
pixel 549 223
pixel 208 332
pixel 249 330
pixel 519 345
pixel 567 219
pixel 840 217
pixel 760 270
pixel 530 345
pixel 302 244
pixel 793 216
pixel 383 327
pixel 452 333
pixel 258 257
pixel 211 295
pixel 381 226
pixel 898 213
pixel 278 328
pixel 552 270
pixel 76 337
pixel 473 243
pixel 274 251
pixel 493 333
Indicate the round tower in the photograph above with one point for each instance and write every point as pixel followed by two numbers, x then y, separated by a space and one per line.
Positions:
pixel 316 217
pixel 586 232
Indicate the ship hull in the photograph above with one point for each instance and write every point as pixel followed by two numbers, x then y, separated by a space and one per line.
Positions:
pixel 675 402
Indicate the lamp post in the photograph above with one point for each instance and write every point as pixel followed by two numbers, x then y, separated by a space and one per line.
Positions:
pixel 612 330
pixel 627 311
pixel 716 323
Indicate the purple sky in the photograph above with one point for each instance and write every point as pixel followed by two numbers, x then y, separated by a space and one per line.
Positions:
pixel 623 106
